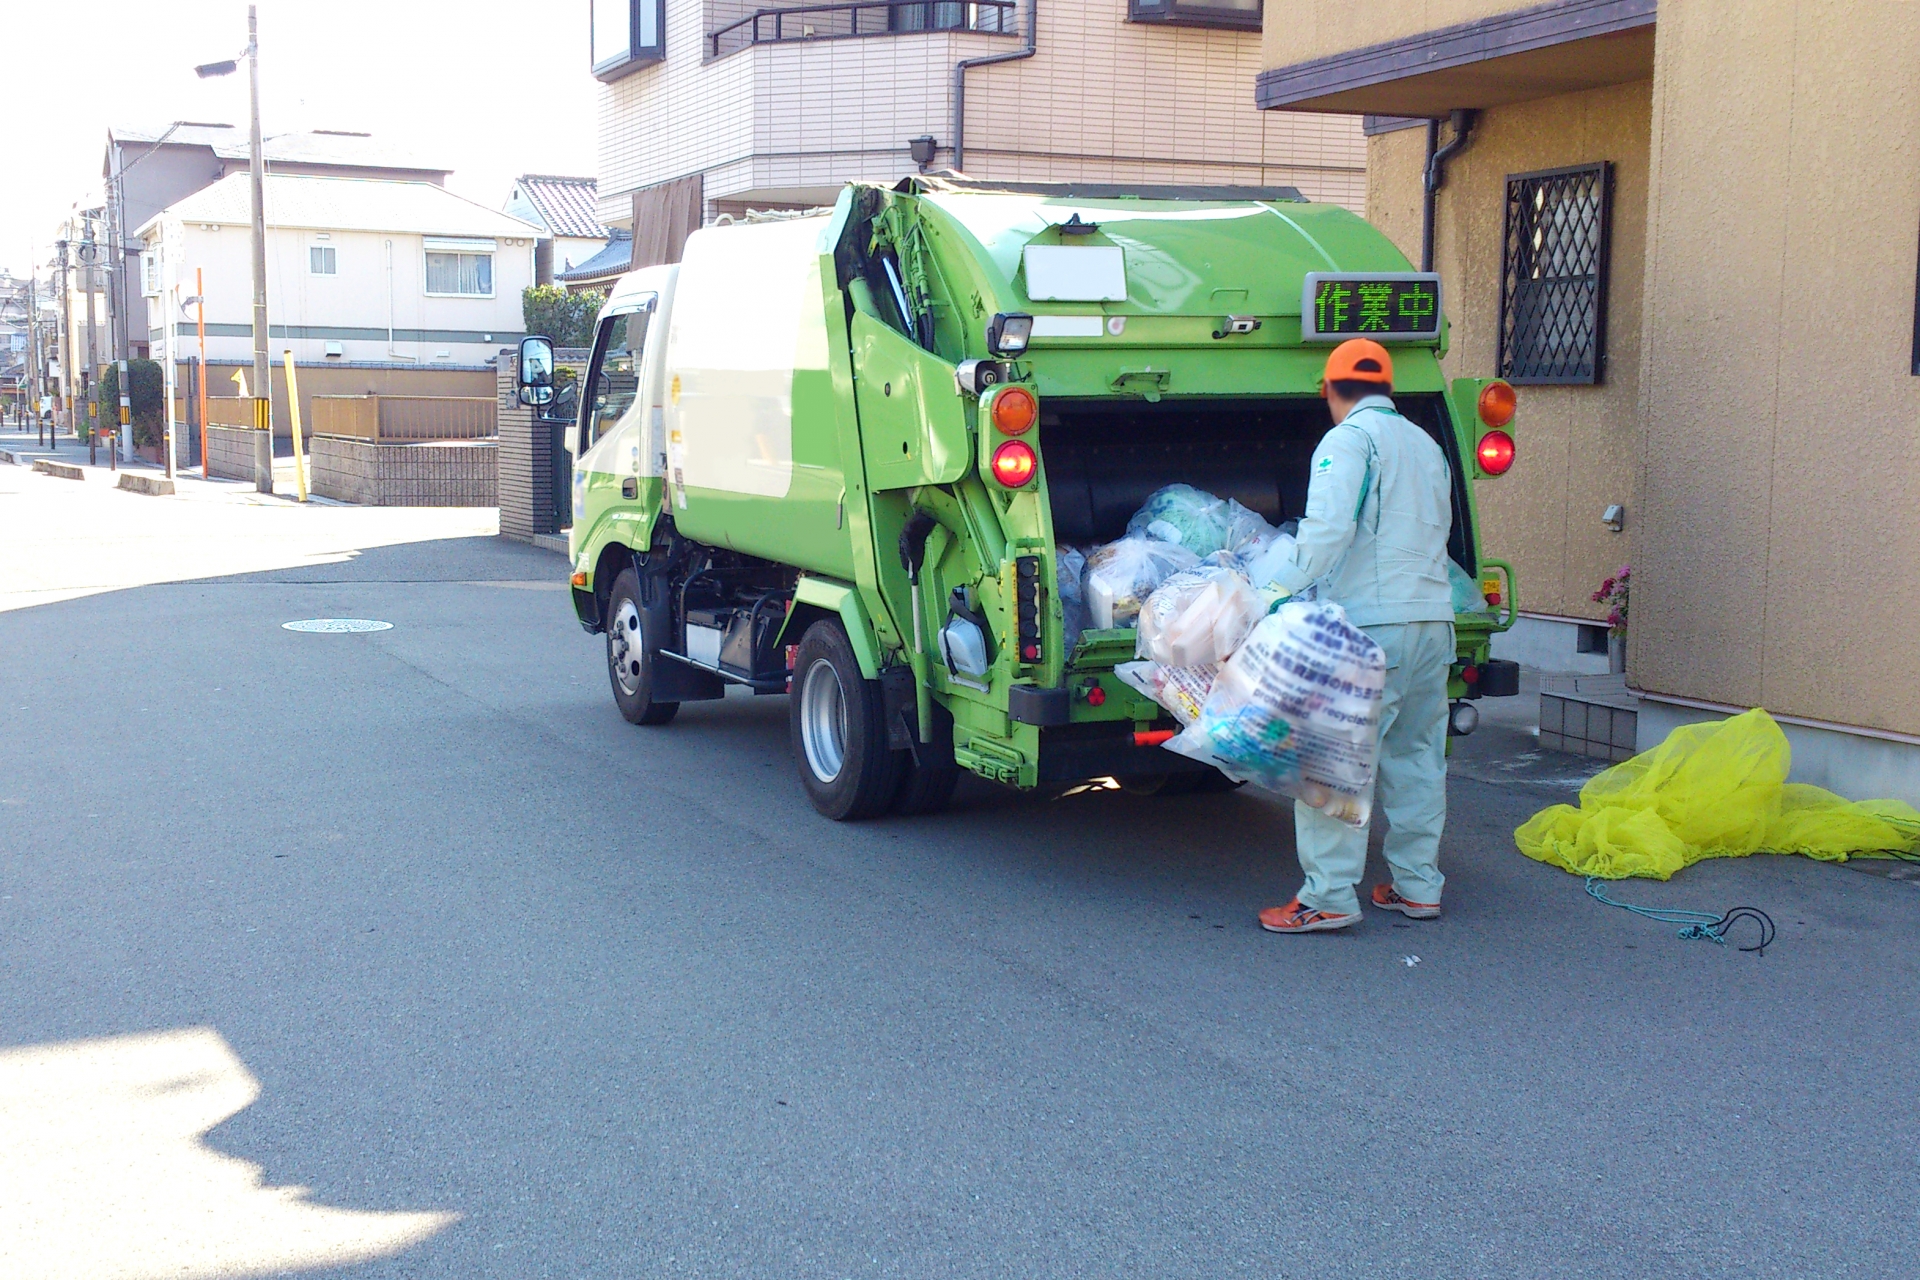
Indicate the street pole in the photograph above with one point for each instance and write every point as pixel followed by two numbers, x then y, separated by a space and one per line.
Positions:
pixel 34 377
pixel 66 336
pixel 88 251
pixel 262 365
pixel 200 324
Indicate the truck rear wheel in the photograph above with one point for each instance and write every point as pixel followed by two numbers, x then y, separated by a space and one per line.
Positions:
pixel 928 773
pixel 838 724
pixel 632 653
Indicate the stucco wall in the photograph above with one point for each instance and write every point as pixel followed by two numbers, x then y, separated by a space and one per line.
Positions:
pixel 1302 30
pixel 1778 542
pixel 1577 445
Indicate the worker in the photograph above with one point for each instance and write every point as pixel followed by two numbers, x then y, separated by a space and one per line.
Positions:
pixel 1374 536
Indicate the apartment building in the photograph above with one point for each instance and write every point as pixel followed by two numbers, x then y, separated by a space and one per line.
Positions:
pixel 1688 229
pixel 712 107
pixel 145 170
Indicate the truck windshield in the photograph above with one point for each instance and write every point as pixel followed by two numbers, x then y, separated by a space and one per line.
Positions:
pixel 615 374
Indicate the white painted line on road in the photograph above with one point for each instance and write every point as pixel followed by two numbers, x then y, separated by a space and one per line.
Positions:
pixel 336 626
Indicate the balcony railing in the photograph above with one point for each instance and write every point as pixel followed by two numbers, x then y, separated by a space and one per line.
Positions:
pixel 863 18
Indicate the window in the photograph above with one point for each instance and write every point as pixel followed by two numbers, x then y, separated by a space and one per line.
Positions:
pixel 468 274
pixel 321 260
pixel 627 35
pixel 615 377
pixel 1243 15
pixel 1553 287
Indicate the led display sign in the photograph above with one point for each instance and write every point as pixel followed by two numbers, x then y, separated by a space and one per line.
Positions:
pixel 1391 306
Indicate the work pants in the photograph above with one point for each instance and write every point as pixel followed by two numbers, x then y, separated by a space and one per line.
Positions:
pixel 1410 786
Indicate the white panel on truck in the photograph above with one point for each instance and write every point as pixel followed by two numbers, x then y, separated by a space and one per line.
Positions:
pixel 746 316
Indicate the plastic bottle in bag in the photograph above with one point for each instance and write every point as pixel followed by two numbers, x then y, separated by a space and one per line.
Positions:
pixel 1122 574
pixel 1198 617
pixel 1070 571
pixel 1297 710
pixel 1183 515
pixel 1262 566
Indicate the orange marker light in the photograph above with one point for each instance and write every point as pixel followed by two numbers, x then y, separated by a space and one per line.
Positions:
pixel 1495 453
pixel 580 579
pixel 1014 464
pixel 1014 411
pixel 1497 403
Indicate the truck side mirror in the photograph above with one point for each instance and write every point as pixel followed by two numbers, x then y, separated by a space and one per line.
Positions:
pixel 536 371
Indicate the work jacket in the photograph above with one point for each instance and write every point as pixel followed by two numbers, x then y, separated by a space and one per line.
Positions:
pixel 1379 510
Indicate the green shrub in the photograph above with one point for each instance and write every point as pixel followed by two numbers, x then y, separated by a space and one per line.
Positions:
pixel 148 400
pixel 567 318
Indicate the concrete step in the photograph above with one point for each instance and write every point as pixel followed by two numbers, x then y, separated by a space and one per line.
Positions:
pixel 139 482
pixel 64 470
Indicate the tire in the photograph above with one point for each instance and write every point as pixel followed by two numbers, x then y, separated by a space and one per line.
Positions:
pixel 927 781
pixel 837 724
pixel 632 652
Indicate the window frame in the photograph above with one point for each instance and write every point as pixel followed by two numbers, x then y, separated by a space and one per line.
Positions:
pixel 493 283
pixel 636 55
pixel 333 265
pixel 1188 13
pixel 1603 264
pixel 647 305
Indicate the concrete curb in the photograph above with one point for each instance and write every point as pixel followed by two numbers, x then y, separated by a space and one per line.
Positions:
pixel 7 456
pixel 64 470
pixel 153 486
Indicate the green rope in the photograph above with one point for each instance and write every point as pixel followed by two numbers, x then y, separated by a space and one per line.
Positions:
pixel 1695 925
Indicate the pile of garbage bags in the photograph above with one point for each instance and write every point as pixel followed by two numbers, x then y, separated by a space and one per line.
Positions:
pixel 1283 695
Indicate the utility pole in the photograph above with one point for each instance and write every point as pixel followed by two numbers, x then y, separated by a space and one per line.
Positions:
pixel 88 251
pixel 35 378
pixel 66 333
pixel 262 366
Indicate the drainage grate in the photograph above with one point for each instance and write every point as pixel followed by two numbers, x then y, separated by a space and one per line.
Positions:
pixel 336 626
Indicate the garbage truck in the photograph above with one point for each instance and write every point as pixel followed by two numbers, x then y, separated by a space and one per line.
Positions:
pixel 839 457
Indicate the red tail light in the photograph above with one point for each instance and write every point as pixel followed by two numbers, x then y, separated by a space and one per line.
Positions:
pixel 1497 403
pixel 1014 463
pixel 1495 453
pixel 1014 411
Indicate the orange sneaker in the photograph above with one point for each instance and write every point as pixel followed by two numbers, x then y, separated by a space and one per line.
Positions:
pixel 1294 918
pixel 1387 898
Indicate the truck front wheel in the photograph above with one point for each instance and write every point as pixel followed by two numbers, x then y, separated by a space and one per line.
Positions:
pixel 632 653
pixel 837 721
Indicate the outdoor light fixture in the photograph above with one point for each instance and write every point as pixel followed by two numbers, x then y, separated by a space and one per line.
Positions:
pixel 1008 332
pixel 922 150
pixel 208 70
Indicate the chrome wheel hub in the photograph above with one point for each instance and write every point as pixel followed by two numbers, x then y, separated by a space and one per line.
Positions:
pixel 623 647
pixel 823 720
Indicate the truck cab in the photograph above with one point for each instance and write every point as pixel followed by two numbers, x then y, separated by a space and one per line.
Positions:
pixel 843 457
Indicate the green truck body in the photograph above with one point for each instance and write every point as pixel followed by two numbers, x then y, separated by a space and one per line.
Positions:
pixel 777 435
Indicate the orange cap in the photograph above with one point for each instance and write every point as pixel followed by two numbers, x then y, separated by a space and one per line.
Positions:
pixel 1359 360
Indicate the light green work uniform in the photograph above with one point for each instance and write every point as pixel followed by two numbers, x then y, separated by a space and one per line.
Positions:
pixel 1374 536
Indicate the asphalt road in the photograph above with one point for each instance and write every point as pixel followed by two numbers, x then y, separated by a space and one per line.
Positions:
pixel 618 1003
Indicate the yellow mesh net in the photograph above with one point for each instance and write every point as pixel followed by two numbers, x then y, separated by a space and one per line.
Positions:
pixel 1715 790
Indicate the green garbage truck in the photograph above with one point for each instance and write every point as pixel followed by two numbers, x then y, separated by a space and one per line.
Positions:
pixel 839 456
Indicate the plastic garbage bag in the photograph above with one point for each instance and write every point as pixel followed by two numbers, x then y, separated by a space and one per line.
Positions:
pixel 1183 515
pixel 1264 564
pixel 1181 690
pixel 1466 592
pixel 1297 710
pixel 1198 617
pixel 1715 790
pixel 1069 575
pixel 1122 574
pixel 1248 532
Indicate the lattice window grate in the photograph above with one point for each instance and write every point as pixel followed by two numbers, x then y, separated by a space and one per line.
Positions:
pixel 1553 288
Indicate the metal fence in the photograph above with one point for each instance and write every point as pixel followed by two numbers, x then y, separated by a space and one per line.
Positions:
pixel 869 18
pixel 405 419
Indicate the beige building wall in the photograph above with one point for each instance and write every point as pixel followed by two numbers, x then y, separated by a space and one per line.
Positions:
pixel 1577 444
pixel 1781 532
pixel 1302 30
pixel 1102 100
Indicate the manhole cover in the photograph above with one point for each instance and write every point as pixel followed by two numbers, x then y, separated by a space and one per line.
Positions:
pixel 336 626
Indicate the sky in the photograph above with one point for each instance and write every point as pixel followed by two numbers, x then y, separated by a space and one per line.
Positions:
pixel 489 88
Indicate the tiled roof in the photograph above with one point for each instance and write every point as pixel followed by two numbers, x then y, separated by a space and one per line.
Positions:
pixel 311 146
pixel 614 260
pixel 565 204
pixel 347 204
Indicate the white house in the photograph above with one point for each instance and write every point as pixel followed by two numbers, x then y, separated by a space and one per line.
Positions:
pixel 360 271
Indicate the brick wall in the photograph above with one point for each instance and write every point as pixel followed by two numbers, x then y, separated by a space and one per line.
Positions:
pixel 526 458
pixel 452 474
pixel 230 452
